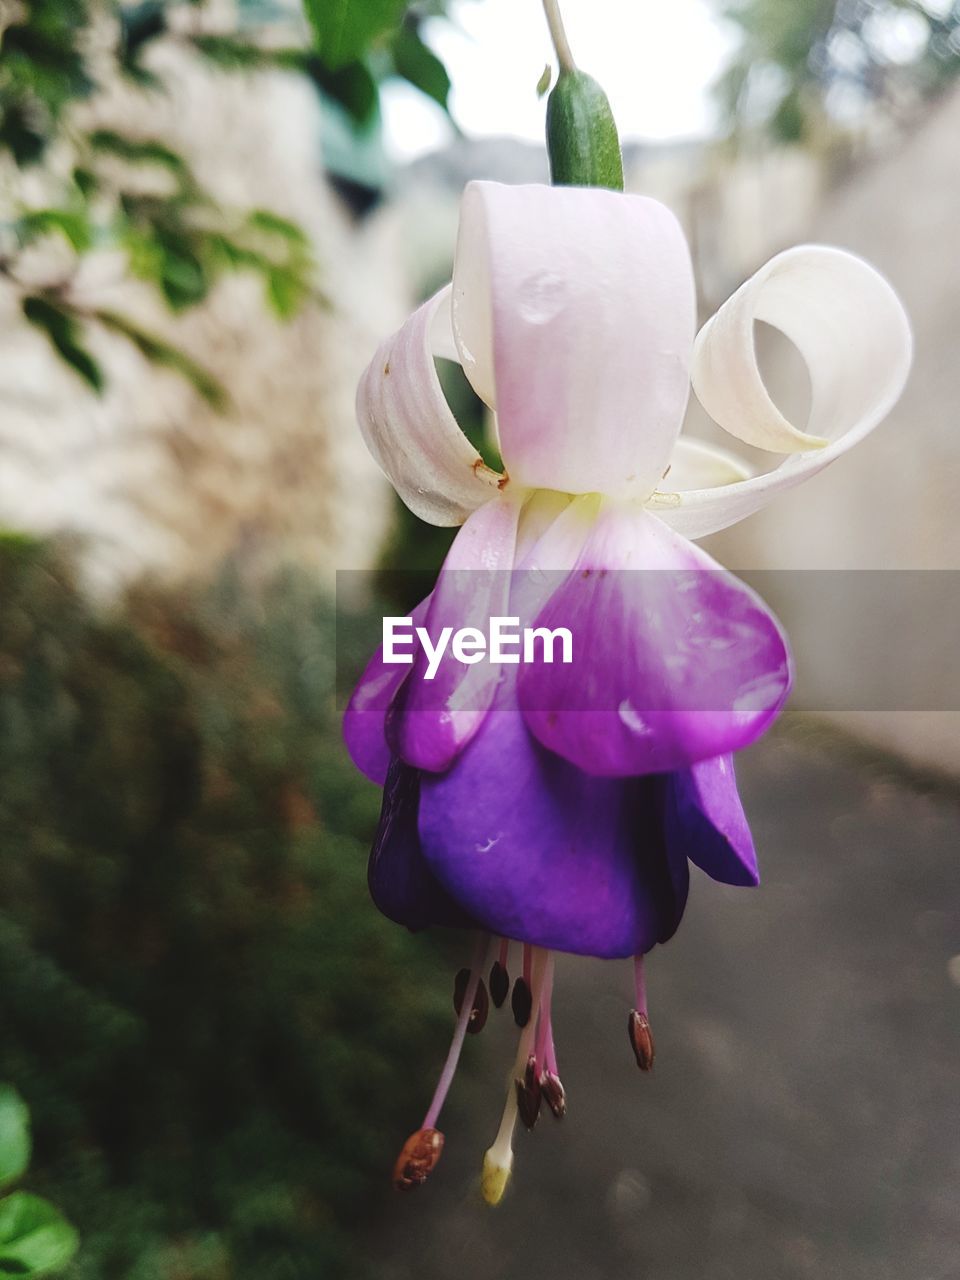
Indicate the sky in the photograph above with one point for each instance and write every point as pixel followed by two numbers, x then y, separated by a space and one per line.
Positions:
pixel 656 60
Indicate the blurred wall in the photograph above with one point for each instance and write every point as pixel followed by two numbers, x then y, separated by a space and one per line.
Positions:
pixel 893 502
pixel 148 476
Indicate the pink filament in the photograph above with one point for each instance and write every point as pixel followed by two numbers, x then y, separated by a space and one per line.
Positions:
pixel 546 1057
pixel 459 1034
pixel 640 982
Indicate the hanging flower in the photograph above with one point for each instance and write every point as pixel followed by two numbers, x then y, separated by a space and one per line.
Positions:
pixel 557 807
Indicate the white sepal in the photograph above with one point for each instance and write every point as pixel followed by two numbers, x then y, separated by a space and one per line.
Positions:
pixel 408 427
pixel 852 331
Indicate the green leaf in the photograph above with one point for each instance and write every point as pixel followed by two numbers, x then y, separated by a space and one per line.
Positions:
pixel 86 180
pixel 543 84
pixel 63 331
pixel 14 1135
pixel 139 24
pixel 139 151
pixel 274 224
pixel 352 86
pixel 183 280
pixel 344 30
pixel 35 1238
pixel 232 54
pixel 286 291
pixel 420 65
pixel 72 225
pixel 161 352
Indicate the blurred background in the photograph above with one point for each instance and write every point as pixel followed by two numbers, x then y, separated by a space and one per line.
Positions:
pixel 210 213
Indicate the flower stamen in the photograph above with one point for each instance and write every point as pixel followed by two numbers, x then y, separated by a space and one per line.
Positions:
pixel 498 1160
pixel 551 1086
pixel 422 1150
pixel 638 1024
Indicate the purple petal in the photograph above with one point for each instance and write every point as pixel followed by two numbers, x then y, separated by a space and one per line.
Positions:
pixel 537 850
pixel 431 720
pixel 668 667
pixel 705 820
pixel 364 719
pixel 401 884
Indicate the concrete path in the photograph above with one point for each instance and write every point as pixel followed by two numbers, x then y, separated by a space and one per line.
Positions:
pixel 803 1119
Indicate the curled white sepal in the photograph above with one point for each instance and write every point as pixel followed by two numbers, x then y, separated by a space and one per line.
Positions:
pixel 853 333
pixel 408 427
pixel 698 465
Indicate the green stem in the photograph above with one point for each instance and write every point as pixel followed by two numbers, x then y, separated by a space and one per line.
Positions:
pixel 582 139
pixel 558 35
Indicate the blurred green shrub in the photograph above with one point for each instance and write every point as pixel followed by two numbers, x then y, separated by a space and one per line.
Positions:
pixel 213 1028
pixel 35 1240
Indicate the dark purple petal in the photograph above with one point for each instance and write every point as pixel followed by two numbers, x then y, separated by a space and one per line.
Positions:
pixel 676 664
pixel 537 850
pixel 704 820
pixel 364 720
pixel 431 720
pixel 401 883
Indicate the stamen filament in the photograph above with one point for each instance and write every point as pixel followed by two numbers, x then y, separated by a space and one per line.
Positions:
pixel 549 1058
pixel 640 981
pixel 544 1037
pixel 459 1035
pixel 638 1024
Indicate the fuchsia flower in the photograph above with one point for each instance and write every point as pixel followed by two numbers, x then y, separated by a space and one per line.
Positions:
pixel 558 806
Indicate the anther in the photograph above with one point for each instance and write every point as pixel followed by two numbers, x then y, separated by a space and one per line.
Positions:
pixel 553 1094
pixel 417 1159
pixel 481 1007
pixel 499 983
pixel 528 1094
pixel 521 1002
pixel 481 1003
pixel 641 1039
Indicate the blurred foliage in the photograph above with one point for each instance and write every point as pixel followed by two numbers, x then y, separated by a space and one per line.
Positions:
pixel 199 1004
pixel 124 189
pixel 35 1239
pixel 810 62
pixel 116 188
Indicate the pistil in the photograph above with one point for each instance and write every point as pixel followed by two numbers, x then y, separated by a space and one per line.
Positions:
pixel 498 1160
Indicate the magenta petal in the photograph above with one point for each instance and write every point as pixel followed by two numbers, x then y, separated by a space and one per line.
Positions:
pixel 401 883
pixel 364 720
pixel 535 849
pixel 675 664
pixel 431 720
pixel 705 820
